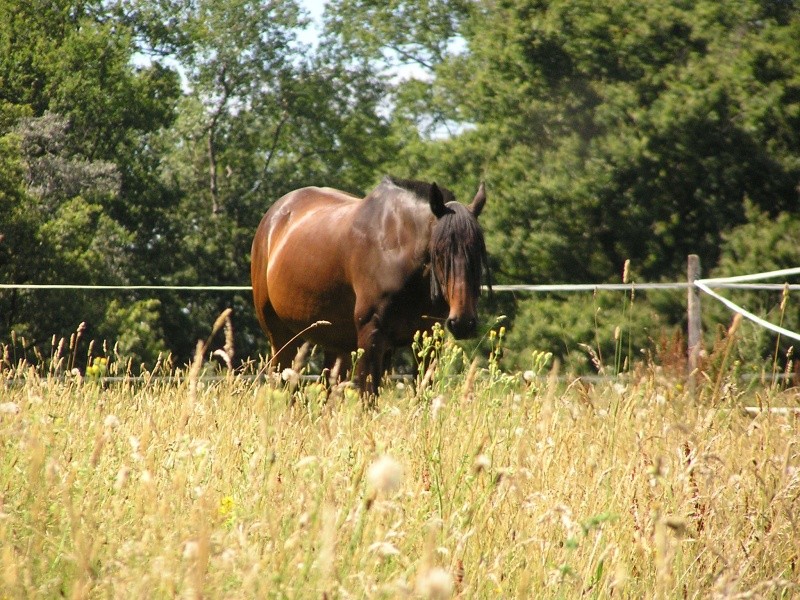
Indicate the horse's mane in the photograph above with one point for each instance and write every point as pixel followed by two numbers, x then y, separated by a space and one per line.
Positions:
pixel 421 189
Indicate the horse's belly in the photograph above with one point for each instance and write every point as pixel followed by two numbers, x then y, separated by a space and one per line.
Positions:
pixel 302 298
pixel 303 306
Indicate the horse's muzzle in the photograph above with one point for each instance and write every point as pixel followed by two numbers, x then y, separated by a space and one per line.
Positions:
pixel 462 327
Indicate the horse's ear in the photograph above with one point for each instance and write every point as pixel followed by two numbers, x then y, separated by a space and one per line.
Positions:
pixel 437 201
pixel 478 201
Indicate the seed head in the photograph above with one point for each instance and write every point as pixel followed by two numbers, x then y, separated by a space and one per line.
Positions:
pixel 191 549
pixel 436 405
pixel 482 463
pixel 384 549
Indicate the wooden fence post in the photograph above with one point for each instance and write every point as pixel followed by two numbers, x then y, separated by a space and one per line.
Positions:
pixel 695 327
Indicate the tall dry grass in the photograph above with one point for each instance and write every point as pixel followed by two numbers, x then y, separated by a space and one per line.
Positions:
pixel 481 485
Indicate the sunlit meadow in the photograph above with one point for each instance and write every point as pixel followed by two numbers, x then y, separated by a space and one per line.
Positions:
pixel 465 481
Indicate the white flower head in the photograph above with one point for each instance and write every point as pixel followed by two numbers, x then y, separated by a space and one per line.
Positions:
pixel 482 463
pixel 122 477
pixel 191 549
pixel 384 549
pixel 385 475
pixel 306 461
pixel 436 584
pixel 9 408
pixel 291 377
pixel 436 405
pixel 111 422
pixel 199 447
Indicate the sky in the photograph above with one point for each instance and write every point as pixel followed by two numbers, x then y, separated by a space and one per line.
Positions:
pixel 314 8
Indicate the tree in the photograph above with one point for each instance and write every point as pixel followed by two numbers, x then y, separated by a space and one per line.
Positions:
pixel 77 126
pixel 611 130
pixel 17 225
pixel 261 115
pixel 606 130
pixel 142 140
pixel 121 173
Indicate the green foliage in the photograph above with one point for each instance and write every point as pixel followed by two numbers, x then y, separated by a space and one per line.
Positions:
pixel 58 230
pixel 80 114
pixel 607 131
pixel 98 369
pixel 134 332
pixel 603 333
pixel 16 224
pixel 261 116
pixel 438 359
pixel 396 32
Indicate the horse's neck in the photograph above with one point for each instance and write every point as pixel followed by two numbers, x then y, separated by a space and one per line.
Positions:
pixel 399 215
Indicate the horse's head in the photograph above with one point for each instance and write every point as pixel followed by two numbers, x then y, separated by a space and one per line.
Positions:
pixel 458 258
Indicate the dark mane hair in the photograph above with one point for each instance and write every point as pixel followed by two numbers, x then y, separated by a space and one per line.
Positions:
pixel 457 234
pixel 421 189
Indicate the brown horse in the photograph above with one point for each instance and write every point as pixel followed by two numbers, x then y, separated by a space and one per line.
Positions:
pixel 376 270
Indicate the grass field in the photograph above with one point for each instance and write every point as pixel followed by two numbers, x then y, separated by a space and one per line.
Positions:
pixel 472 485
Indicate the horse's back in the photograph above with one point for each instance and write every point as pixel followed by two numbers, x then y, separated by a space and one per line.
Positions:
pixel 299 202
pixel 310 215
pixel 290 211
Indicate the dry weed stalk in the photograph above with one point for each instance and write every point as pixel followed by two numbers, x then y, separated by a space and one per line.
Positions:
pixel 426 379
pixel 729 341
pixel 469 382
pixel 300 358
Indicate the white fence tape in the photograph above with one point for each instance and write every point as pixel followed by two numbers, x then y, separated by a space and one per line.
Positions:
pixel 556 287
pixel 589 287
pixel 706 284
pixel 738 282
pixel 566 287
pixel 754 276
pixel 69 286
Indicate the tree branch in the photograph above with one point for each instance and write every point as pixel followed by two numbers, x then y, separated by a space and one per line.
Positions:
pixel 212 145
pixel 410 57
pixel 273 148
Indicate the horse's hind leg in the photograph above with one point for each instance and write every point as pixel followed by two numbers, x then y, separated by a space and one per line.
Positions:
pixel 284 349
pixel 285 344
